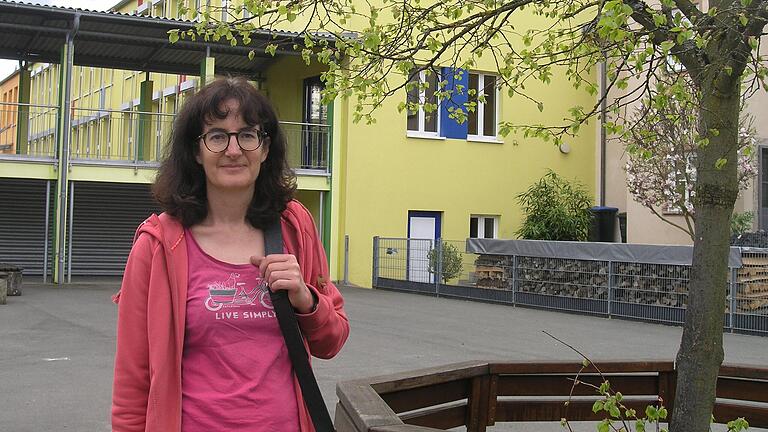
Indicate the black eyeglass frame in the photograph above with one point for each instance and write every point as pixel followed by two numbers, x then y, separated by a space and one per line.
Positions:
pixel 260 133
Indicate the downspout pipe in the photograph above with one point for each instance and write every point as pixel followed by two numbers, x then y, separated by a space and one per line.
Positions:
pixel 64 157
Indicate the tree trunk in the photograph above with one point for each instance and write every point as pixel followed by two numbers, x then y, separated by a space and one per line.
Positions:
pixel 701 348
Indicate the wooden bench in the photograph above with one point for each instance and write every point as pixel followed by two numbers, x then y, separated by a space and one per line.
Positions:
pixel 481 394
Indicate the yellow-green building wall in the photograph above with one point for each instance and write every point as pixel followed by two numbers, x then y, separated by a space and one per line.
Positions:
pixel 386 174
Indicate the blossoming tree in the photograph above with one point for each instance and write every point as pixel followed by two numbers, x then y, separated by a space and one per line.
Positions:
pixel 661 158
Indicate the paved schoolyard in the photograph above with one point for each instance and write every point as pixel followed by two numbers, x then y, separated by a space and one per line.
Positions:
pixel 57 346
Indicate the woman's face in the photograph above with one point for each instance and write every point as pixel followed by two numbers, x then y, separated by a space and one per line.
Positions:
pixel 234 168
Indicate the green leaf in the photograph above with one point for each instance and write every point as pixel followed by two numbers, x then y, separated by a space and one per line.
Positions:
pixel 614 411
pixel 604 426
pixel 271 49
pixel 173 36
pixel 666 46
pixel 597 406
pixel 651 413
pixel 640 426
pixel 743 20
pixel 540 106
pixel 251 55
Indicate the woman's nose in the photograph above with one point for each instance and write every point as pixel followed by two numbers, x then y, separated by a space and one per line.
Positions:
pixel 233 146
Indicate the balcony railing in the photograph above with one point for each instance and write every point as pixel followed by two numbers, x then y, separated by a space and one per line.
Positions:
pixel 129 137
pixel 308 145
pixel 28 131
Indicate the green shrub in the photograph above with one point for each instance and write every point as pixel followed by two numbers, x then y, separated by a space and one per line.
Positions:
pixel 741 222
pixel 555 209
pixel 451 262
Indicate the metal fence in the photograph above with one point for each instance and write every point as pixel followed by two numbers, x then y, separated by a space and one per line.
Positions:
pixel 308 145
pixel 129 136
pixel 119 135
pixel 28 130
pixel 624 288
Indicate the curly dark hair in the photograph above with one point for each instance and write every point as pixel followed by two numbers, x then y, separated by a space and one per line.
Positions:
pixel 180 186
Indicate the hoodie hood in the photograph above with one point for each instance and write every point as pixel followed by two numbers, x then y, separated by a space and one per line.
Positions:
pixel 165 229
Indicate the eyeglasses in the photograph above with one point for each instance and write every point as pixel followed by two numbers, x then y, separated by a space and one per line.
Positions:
pixel 217 141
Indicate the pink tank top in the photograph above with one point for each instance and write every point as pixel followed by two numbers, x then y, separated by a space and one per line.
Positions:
pixel 235 370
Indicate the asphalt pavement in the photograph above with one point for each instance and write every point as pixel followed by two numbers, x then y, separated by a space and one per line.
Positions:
pixel 57 346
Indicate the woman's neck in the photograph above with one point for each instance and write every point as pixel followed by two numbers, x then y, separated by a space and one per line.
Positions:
pixel 228 208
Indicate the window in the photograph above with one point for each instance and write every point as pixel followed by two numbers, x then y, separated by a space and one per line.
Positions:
pixel 483 226
pixel 224 10
pixel 421 122
pixel 681 176
pixel 481 123
pixel 679 20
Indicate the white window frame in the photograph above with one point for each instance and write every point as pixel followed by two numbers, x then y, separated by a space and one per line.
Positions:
pixel 672 63
pixel 669 208
pixel 421 133
pixel 480 111
pixel 224 10
pixel 481 225
pixel 144 8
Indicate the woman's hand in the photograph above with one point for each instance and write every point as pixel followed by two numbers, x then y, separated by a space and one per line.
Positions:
pixel 282 272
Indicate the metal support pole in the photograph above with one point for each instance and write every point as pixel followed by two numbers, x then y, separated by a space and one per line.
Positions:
pixel 438 265
pixel 71 220
pixel 610 289
pixel 46 227
pixel 514 279
pixel 66 126
pixel 375 274
pixel 734 288
pixel 346 259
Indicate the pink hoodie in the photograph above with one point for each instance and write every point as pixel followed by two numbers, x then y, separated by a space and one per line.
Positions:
pixel 146 394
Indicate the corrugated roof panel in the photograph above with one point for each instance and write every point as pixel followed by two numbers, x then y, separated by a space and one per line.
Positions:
pixel 118 40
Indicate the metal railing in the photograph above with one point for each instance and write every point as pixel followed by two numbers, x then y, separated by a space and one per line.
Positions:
pixel 28 130
pixel 129 136
pixel 649 291
pixel 119 135
pixel 308 145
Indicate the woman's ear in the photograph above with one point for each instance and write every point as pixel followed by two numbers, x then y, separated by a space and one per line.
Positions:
pixel 265 153
pixel 198 157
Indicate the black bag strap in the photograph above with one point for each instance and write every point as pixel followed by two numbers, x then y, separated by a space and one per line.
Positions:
pixel 289 326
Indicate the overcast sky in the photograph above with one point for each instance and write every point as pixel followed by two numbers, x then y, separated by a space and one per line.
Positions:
pixel 8 66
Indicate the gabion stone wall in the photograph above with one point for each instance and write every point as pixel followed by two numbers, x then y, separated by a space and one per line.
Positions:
pixel 757 239
pixel 653 284
pixel 563 277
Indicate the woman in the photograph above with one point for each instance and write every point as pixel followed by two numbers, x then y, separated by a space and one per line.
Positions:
pixel 198 344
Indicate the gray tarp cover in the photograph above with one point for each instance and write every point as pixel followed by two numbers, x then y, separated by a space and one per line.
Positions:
pixel 623 252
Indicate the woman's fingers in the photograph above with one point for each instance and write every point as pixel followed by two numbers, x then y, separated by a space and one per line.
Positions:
pixel 282 272
pixel 285 278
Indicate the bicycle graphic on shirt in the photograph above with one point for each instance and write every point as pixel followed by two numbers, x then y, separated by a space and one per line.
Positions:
pixel 232 293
